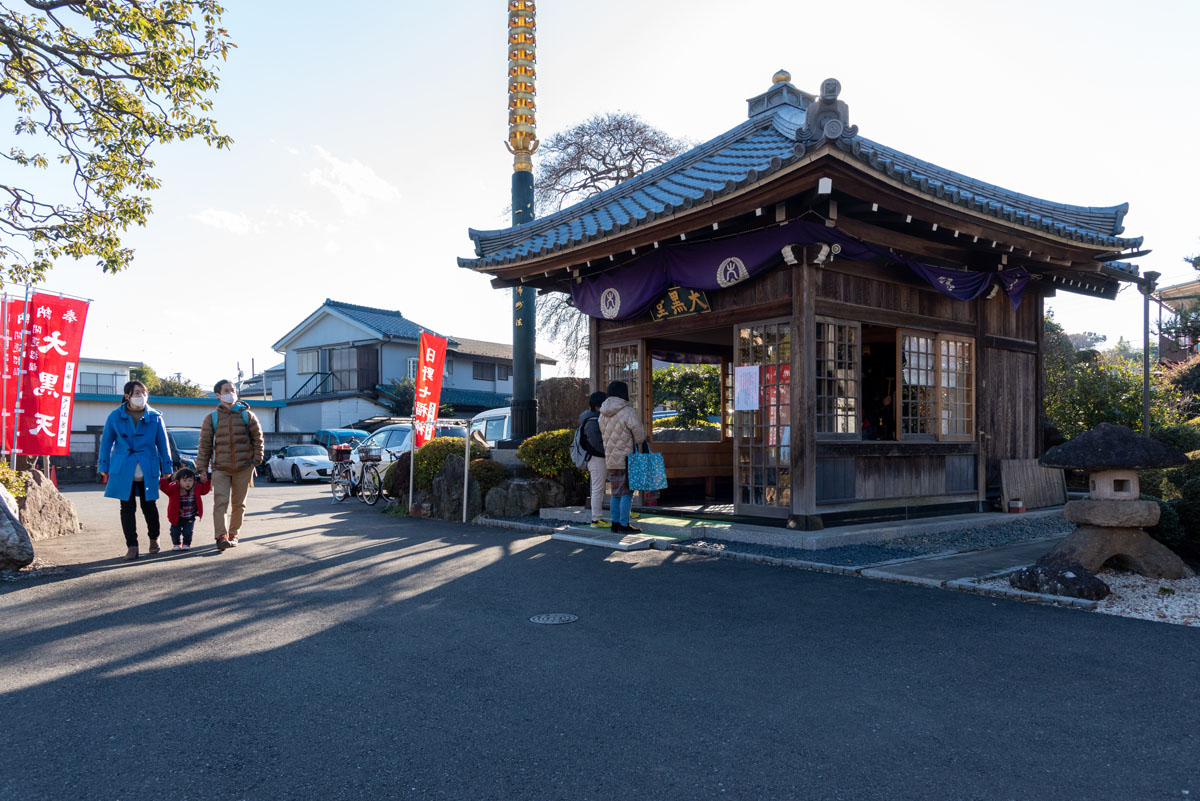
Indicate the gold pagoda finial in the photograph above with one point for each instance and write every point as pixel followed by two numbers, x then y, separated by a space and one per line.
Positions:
pixel 783 76
pixel 522 45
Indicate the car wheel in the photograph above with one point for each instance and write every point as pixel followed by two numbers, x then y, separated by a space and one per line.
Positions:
pixel 295 474
pixel 270 473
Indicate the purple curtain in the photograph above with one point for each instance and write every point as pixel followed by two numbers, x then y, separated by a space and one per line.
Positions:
pixel 627 291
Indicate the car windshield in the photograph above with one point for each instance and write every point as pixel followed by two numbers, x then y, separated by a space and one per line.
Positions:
pixel 306 450
pixel 186 440
pixel 450 431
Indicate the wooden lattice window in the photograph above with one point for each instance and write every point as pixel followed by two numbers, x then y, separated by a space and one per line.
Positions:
pixel 620 363
pixel 937 386
pixel 956 386
pixel 838 379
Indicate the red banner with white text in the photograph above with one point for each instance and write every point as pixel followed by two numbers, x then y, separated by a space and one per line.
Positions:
pixel 430 363
pixel 39 378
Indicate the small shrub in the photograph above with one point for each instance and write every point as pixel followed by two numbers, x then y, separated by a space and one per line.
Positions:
pixel 674 422
pixel 395 478
pixel 13 480
pixel 665 422
pixel 432 456
pixel 549 454
pixel 1184 437
pixel 1169 530
pixel 489 474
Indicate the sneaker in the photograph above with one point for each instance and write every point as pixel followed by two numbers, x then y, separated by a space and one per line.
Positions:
pixel 599 524
pixel 131 554
pixel 630 530
pixel 223 543
pixel 154 547
pixel 233 540
pixel 187 546
pixel 176 547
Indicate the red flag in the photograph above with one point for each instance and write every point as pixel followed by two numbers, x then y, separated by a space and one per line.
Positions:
pixel 430 362
pixel 44 396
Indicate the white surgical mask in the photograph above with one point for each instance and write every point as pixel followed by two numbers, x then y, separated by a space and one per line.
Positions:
pixel 228 397
pixel 137 401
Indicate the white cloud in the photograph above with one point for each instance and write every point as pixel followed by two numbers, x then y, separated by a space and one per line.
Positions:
pixel 352 183
pixel 234 222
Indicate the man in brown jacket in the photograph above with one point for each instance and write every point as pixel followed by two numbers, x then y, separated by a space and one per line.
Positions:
pixel 232 440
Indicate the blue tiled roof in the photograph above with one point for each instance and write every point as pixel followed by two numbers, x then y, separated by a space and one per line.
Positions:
pixel 774 137
pixel 474 397
pixel 386 321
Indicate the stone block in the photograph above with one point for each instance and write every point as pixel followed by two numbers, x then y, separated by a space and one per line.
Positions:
pixel 1130 548
pixel 1119 514
pixel 46 512
pixel 448 492
pixel 1068 579
pixel 16 548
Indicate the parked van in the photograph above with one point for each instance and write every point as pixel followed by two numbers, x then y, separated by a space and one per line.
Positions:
pixel 493 425
pixel 328 437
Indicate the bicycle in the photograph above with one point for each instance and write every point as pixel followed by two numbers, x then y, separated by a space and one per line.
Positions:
pixel 341 478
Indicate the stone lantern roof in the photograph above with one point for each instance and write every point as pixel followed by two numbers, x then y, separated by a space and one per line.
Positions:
pixel 1112 447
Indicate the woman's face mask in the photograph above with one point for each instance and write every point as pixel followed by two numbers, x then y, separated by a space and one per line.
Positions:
pixel 137 401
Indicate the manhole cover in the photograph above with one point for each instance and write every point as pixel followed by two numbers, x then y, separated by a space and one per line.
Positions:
pixel 554 619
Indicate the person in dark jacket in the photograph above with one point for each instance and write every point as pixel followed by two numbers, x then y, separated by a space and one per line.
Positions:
pixel 133 454
pixel 593 443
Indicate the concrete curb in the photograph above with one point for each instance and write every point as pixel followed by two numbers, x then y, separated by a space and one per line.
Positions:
pixel 511 525
pixel 1012 594
pixel 776 561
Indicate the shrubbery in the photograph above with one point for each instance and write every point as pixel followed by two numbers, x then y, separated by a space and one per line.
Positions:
pixel 674 422
pixel 1169 530
pixel 489 474
pixel 432 456
pixel 549 454
pixel 13 480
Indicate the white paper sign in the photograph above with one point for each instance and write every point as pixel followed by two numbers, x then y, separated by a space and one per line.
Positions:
pixel 745 388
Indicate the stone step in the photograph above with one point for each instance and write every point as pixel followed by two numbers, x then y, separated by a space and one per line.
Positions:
pixel 605 539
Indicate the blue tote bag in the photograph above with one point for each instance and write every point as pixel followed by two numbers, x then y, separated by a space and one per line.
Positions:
pixel 646 470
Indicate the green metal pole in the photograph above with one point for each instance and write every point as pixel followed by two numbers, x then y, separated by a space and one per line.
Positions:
pixel 524 300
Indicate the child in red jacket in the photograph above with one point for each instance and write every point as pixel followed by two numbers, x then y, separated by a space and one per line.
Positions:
pixel 184 506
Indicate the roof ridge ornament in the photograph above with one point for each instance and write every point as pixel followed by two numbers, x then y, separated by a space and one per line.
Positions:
pixel 827 117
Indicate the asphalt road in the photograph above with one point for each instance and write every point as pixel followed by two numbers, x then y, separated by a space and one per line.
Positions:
pixel 341 653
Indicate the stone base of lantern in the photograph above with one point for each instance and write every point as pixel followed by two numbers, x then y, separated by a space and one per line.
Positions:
pixel 1092 546
pixel 1118 514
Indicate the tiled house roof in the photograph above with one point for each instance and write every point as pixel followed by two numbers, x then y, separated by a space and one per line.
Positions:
pixel 495 350
pixel 775 136
pixel 387 322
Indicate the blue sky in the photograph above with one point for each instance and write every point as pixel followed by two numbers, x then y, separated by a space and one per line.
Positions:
pixel 369 139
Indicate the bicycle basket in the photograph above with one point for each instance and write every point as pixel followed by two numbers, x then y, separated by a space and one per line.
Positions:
pixel 370 454
pixel 340 453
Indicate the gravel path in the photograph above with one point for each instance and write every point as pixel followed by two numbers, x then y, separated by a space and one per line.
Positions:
pixel 970 539
pixel 1144 598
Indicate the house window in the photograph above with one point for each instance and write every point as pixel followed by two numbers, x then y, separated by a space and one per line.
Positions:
pixel 306 361
pixel 412 370
pixel 620 363
pixel 837 379
pixel 100 383
pixel 503 372
pixel 343 363
pixel 483 371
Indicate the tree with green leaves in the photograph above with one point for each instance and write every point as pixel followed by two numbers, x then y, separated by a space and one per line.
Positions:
pixel 693 391
pixel 146 375
pixel 177 387
pixel 93 85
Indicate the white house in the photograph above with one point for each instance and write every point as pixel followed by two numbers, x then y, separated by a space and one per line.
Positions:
pixel 339 363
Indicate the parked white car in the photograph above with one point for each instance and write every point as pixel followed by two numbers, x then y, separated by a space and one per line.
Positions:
pixel 394 440
pixel 299 463
pixel 493 425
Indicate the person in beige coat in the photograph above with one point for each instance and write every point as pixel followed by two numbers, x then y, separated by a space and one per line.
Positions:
pixel 623 432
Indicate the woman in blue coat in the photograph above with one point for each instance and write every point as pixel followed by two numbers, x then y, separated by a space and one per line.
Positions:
pixel 133 455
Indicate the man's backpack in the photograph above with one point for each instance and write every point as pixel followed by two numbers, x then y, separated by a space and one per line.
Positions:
pixel 579 454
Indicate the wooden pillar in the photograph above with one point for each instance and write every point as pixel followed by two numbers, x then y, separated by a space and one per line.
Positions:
pixel 981 398
pixel 1039 432
pixel 594 355
pixel 804 403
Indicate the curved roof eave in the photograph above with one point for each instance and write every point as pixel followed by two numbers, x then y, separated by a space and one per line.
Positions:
pixel 753 154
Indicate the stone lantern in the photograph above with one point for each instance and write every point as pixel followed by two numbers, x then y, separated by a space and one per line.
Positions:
pixel 1109 524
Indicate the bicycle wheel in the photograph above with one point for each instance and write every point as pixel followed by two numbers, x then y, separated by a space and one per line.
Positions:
pixel 370 485
pixel 339 482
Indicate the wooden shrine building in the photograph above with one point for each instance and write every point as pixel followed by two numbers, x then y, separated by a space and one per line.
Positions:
pixel 873 321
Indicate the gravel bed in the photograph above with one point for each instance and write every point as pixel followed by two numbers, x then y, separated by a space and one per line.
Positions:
pixel 968 539
pixel 1145 598
pixel 36 569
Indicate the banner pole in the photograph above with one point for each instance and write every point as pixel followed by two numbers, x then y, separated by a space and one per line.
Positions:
pixel 466 469
pixel 412 464
pixel 20 375
pixel 4 414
